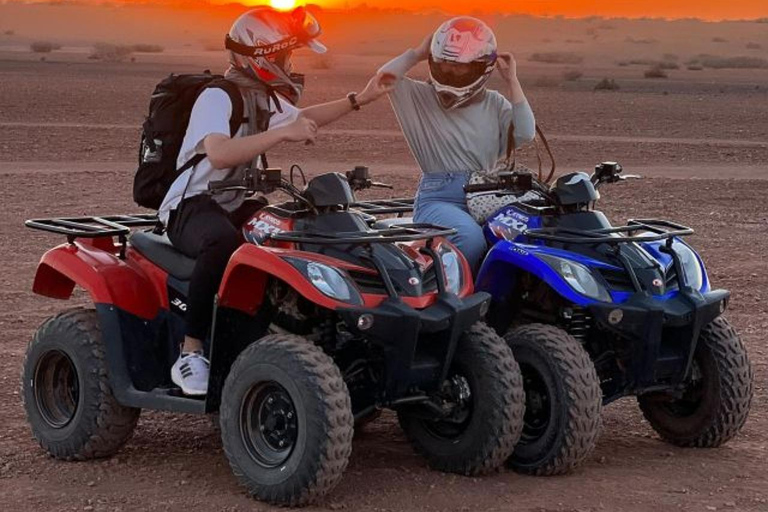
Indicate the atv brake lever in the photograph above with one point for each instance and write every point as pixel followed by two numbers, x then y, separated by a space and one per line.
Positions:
pixel 381 185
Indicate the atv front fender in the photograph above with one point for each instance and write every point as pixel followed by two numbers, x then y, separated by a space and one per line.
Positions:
pixel 503 265
pixel 250 267
pixel 107 278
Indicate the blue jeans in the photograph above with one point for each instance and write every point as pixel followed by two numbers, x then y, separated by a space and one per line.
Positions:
pixel 441 200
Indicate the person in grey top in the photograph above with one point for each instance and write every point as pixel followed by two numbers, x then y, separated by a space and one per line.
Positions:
pixel 454 125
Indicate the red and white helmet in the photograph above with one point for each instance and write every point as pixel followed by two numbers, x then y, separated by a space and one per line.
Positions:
pixel 261 42
pixel 466 41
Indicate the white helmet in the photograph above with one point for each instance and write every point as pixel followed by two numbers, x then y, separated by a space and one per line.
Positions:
pixel 466 41
pixel 261 41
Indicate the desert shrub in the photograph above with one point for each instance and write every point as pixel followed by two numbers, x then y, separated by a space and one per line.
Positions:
pixel 110 52
pixel 606 26
pixel 761 20
pixel 44 46
pixel 695 67
pixel 719 40
pixel 321 62
pixel 147 48
pixel 671 57
pixel 557 58
pixel 622 63
pixel 754 46
pixel 607 84
pixel 665 64
pixel 547 81
pixel 572 75
pixel 632 40
pixel 740 62
pixel 655 72
pixel 9 32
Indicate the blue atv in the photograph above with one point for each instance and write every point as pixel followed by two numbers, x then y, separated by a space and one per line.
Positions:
pixel 595 312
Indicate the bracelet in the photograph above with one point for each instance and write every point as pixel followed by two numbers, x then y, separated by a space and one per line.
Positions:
pixel 352 97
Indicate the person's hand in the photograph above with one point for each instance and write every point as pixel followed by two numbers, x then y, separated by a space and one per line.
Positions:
pixel 302 129
pixel 378 86
pixel 423 50
pixel 507 67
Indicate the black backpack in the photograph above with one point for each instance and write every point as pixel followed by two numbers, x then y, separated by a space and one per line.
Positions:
pixel 164 129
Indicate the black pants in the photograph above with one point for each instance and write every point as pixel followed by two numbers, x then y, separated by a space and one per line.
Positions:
pixel 203 230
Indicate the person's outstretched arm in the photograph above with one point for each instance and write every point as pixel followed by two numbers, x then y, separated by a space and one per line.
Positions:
pixel 225 152
pixel 325 113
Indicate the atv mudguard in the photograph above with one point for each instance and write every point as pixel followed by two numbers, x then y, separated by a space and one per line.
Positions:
pixel 107 278
pixel 506 260
pixel 244 283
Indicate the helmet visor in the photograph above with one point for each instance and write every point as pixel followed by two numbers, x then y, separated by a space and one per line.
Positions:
pixel 457 74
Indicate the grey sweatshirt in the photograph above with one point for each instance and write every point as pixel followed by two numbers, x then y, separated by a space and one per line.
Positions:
pixel 469 138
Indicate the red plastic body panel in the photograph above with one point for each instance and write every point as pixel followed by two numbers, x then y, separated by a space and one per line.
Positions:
pixel 244 282
pixel 107 278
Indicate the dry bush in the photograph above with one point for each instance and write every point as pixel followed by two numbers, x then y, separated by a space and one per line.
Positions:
pixel 572 75
pixel 655 72
pixel 44 46
pixel 695 67
pixel 547 81
pixel 557 58
pixel 9 32
pixel 108 52
pixel 607 84
pixel 322 62
pixel 147 48
pixel 719 40
pixel 671 57
pixel 663 64
pixel 740 62
pixel 754 46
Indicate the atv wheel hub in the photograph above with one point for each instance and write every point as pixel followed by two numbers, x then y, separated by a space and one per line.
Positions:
pixel 57 390
pixel 268 424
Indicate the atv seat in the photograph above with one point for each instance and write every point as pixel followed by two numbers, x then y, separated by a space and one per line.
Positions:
pixel 393 222
pixel 159 250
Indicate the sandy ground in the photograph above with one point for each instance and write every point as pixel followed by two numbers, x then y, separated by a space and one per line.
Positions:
pixel 67 146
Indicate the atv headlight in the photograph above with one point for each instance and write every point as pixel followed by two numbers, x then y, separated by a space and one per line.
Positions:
pixel 328 280
pixel 452 268
pixel 578 277
pixel 692 272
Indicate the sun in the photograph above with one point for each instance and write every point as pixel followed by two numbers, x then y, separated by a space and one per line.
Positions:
pixel 283 4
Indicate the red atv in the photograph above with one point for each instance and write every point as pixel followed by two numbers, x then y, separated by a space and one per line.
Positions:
pixel 320 320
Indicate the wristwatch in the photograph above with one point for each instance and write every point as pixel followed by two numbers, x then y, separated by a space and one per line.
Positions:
pixel 352 97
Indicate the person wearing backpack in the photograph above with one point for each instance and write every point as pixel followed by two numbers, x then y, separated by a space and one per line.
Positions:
pixel 222 140
pixel 454 124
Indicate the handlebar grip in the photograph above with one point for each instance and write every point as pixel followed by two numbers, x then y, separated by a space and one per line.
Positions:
pixel 217 186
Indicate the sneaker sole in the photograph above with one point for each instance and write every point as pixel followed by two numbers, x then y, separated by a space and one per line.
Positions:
pixel 177 379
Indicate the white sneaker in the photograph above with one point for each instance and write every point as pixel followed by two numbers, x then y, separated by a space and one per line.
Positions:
pixel 190 373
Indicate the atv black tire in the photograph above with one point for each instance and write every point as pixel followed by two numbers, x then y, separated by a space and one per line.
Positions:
pixel 712 411
pixel 286 420
pixel 481 443
pixel 66 391
pixel 563 400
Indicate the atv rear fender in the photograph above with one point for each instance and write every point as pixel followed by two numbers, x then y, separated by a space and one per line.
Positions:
pixel 245 280
pixel 107 278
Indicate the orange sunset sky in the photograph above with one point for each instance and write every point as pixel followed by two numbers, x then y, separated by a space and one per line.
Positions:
pixel 704 9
